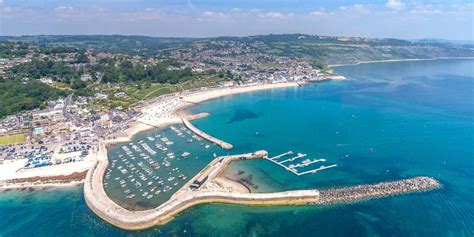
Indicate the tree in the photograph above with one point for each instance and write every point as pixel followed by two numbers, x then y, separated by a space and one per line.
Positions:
pixel 81 58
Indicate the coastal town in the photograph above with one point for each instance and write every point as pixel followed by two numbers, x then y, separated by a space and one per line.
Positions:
pixel 190 118
pixel 99 100
pixel 66 129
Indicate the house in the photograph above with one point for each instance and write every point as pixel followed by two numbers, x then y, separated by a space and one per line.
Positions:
pixel 101 95
pixel 120 94
pixel 46 80
pixel 86 77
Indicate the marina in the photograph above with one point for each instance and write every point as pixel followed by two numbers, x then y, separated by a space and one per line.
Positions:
pixel 289 165
pixel 145 173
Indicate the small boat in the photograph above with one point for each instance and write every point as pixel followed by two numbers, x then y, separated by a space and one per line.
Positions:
pixel 144 194
pixel 149 196
pixel 185 154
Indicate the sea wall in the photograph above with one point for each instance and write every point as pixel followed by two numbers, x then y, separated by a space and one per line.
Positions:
pixel 104 207
pixel 370 191
pixel 190 126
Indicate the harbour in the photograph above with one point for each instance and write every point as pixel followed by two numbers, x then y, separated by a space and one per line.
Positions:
pixel 146 173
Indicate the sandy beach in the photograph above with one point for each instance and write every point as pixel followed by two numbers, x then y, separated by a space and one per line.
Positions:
pixel 13 176
pixel 169 109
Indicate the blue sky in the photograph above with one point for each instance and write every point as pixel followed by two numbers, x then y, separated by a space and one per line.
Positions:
pixel 408 19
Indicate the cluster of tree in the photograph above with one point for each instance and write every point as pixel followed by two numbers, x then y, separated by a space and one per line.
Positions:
pixel 20 96
pixel 126 71
pixel 57 50
pixel 39 68
pixel 10 49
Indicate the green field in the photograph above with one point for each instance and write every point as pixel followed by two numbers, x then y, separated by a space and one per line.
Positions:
pixel 147 93
pixel 12 139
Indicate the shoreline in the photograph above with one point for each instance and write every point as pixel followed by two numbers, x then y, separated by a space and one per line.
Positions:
pixel 176 105
pixel 180 102
pixel 42 186
pixel 41 182
pixel 396 60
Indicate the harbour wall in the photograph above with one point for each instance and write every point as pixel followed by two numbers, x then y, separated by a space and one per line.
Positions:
pixel 98 201
pixel 190 126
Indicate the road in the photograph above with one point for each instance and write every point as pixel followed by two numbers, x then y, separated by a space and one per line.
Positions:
pixel 70 116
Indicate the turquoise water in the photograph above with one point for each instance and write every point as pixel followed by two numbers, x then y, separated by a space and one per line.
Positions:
pixel 389 121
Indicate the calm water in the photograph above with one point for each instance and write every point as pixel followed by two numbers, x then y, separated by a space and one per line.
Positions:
pixel 180 169
pixel 390 121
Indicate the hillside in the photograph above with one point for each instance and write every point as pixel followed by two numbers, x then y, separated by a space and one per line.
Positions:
pixel 320 50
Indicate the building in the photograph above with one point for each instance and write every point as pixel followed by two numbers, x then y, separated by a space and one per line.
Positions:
pixel 86 77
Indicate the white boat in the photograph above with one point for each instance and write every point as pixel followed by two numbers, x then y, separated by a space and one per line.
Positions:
pixel 185 154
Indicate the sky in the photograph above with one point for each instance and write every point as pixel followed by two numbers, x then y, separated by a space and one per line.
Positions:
pixel 405 19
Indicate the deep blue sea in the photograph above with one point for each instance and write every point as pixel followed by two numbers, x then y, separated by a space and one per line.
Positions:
pixel 388 121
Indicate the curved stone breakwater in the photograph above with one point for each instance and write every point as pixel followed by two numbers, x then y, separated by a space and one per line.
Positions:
pixel 202 188
pixel 364 192
pixel 187 196
pixel 190 126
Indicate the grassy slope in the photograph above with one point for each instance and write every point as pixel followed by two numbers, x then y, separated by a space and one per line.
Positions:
pixel 12 139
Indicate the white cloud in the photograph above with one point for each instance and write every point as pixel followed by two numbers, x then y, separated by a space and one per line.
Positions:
pixel 395 5
pixel 318 13
pixel 63 9
pixel 357 9
pixel 213 14
pixel 66 12
pixel 239 14
pixel 276 15
pixel 255 10
pixel 426 9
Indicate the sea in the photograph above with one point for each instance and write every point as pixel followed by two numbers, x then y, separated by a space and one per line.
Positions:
pixel 387 121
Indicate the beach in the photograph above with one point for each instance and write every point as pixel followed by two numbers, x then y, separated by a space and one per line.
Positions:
pixel 169 109
pixel 13 175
